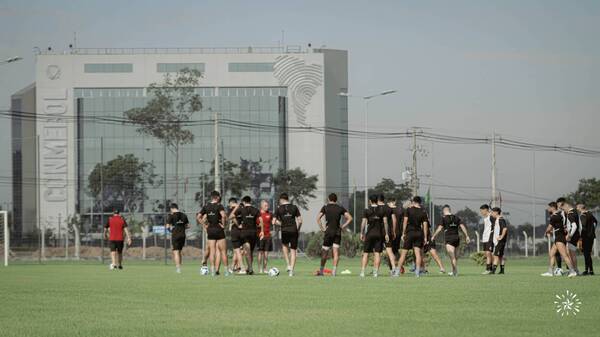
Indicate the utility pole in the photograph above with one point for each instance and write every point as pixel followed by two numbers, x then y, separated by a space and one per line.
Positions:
pixel 217 164
pixel 354 206
pixel 102 197
pixel 431 191
pixel 166 210
pixel 494 169
pixel 222 163
pixel 533 200
pixel 366 154
pixel 414 177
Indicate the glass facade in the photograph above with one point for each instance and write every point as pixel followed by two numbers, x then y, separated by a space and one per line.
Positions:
pixel 251 134
pixel 175 67
pixel 108 67
pixel 251 67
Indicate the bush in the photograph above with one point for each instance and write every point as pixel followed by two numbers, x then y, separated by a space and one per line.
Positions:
pixel 349 247
pixel 315 242
pixel 478 257
pixel 351 244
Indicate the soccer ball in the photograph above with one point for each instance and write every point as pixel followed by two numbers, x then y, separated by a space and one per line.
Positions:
pixel 273 272
pixel 204 270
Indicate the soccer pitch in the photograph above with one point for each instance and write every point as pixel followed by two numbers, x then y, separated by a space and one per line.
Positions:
pixel 150 299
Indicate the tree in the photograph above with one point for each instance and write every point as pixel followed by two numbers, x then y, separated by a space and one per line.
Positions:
pixel 299 186
pixel 172 104
pixel 588 193
pixel 389 188
pixel 124 182
pixel 468 216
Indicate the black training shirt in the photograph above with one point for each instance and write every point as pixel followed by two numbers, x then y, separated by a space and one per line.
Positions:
pixel 374 216
pixel 287 214
pixel 416 217
pixel 179 221
pixel 333 214
pixel 212 211
pixel 249 215
pixel 588 225
pixel 451 223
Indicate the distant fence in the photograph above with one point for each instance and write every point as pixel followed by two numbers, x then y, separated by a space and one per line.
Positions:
pixel 157 247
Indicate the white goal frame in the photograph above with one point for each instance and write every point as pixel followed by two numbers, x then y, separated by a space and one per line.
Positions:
pixel 6 237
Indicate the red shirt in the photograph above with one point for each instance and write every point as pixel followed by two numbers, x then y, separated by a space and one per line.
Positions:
pixel 116 224
pixel 266 217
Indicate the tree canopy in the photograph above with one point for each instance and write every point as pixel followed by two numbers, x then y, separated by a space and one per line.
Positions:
pixel 588 193
pixel 299 186
pixel 123 181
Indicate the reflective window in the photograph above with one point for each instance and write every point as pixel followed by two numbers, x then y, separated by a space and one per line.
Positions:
pixel 108 67
pixel 104 134
pixel 175 67
pixel 251 67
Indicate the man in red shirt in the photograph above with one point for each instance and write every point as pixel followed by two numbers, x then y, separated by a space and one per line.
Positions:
pixel 113 231
pixel 265 245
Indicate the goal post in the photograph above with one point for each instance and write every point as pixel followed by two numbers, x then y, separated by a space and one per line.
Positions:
pixel 6 231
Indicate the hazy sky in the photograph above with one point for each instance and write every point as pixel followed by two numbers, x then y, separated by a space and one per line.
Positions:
pixel 527 69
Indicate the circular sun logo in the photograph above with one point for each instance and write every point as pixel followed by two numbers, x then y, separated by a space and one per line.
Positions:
pixel 567 304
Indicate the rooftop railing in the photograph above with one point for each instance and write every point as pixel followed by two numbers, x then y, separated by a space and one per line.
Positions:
pixel 292 49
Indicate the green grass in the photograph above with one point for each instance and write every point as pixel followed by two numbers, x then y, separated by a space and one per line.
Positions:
pixel 149 299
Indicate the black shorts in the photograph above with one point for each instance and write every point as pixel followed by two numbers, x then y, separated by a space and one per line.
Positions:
pixel 249 237
pixel 560 238
pixel 215 233
pixel 236 241
pixel 331 239
pixel 290 239
pixel 393 244
pixel 116 246
pixel 413 240
pixel 453 241
pixel 430 245
pixel 499 249
pixel 488 246
pixel 265 245
pixel 178 241
pixel 373 243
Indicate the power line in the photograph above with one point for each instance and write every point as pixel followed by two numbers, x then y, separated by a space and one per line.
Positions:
pixel 329 131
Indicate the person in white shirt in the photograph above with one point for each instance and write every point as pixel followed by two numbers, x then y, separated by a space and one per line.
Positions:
pixel 486 237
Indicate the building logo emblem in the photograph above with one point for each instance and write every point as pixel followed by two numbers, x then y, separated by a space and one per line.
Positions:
pixel 567 304
pixel 53 72
pixel 302 81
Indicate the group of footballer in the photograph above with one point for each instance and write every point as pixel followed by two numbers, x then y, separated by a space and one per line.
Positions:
pixel 570 229
pixel 386 225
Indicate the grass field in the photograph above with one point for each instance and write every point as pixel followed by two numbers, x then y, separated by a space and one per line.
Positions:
pixel 149 299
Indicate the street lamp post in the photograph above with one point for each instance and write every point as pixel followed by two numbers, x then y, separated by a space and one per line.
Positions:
pixel 366 100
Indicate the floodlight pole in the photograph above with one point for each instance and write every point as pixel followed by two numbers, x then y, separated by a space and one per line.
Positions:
pixel 6 237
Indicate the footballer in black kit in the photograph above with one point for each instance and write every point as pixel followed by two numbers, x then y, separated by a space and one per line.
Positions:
pixel 556 231
pixel 390 211
pixel 373 231
pixel 177 222
pixel 235 235
pixel 250 217
pixel 451 224
pixel 573 232
pixel 415 228
pixel 500 232
pixel 213 217
pixel 333 213
pixel 588 234
pixel 288 217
